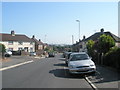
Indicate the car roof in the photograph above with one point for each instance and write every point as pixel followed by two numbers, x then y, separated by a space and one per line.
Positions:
pixel 78 53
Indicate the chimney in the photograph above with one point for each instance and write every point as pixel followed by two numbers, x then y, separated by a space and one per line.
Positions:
pixel 33 36
pixel 13 33
pixel 102 30
pixel 39 40
pixel 84 37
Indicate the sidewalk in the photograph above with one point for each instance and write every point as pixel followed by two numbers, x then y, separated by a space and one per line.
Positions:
pixel 17 59
pixel 106 78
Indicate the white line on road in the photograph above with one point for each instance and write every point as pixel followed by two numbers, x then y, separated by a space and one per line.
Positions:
pixel 91 84
pixel 5 68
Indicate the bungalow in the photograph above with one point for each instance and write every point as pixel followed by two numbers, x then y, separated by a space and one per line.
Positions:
pixel 15 42
pixel 81 45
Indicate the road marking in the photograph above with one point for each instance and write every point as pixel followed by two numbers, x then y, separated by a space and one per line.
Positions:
pixel 5 68
pixel 91 84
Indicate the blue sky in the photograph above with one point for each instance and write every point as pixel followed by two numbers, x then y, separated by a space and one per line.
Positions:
pixel 57 20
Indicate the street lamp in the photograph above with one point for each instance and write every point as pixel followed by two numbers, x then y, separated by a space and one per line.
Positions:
pixel 79 28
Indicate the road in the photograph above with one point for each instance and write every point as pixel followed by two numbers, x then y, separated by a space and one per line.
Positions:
pixel 42 73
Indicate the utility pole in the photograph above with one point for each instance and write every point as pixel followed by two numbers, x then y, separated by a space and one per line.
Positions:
pixel 72 39
pixel 72 43
pixel 79 29
pixel 45 38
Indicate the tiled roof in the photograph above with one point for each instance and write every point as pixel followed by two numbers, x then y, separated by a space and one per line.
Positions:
pixel 97 35
pixel 17 37
pixel 37 42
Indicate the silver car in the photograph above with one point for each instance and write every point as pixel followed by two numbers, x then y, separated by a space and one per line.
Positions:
pixel 81 63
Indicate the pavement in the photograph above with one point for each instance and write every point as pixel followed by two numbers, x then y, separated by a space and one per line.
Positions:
pixel 13 60
pixel 55 75
pixel 106 78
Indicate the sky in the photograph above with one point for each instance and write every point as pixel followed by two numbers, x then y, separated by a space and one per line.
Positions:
pixel 55 22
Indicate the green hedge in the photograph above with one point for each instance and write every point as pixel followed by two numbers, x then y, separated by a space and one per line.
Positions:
pixel 112 58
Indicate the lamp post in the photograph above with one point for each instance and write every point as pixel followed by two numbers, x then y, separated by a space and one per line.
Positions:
pixel 79 28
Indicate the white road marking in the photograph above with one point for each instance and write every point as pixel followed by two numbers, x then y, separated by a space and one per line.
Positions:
pixel 5 68
pixel 91 84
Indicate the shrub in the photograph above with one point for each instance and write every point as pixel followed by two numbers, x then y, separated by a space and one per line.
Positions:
pixel 112 58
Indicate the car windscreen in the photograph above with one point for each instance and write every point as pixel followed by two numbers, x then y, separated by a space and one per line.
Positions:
pixel 79 57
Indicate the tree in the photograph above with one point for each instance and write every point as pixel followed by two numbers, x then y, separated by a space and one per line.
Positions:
pixel 105 42
pixel 90 44
pixel 2 50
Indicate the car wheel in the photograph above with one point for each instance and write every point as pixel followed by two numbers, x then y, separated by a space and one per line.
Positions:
pixel 7 55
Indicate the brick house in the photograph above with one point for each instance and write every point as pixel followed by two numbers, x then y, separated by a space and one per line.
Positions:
pixel 39 45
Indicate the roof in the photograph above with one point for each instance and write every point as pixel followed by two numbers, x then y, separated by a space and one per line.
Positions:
pixel 98 34
pixel 78 53
pixel 17 37
pixel 37 42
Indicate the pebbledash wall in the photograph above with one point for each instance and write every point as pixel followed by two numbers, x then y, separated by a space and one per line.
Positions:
pixel 16 46
pixel 117 44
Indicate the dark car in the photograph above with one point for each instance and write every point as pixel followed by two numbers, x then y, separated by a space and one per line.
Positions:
pixel 51 54
pixel 67 57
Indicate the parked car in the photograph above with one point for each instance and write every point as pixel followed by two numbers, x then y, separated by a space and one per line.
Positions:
pixel 81 63
pixel 64 54
pixel 51 54
pixel 16 52
pixel 32 53
pixel 7 53
pixel 67 57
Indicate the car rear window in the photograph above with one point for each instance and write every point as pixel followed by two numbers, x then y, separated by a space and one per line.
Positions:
pixel 79 57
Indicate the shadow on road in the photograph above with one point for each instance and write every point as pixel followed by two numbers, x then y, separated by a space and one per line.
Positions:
pixel 63 73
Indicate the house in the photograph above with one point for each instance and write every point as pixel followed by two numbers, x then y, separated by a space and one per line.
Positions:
pixel 39 45
pixel 81 45
pixel 15 42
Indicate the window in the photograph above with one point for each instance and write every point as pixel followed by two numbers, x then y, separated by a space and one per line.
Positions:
pixel 31 49
pixel 31 43
pixel 26 49
pixel 20 43
pixel 20 48
pixel 80 46
pixel 77 57
pixel 40 47
pixel 10 42
pixel 10 49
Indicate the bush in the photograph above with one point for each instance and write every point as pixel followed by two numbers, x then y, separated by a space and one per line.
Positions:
pixel 112 58
pixel 2 48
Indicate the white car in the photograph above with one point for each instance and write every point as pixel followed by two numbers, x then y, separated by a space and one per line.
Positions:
pixel 81 63
pixel 8 53
pixel 33 54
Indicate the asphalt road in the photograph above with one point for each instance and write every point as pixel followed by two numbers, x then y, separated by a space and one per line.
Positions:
pixel 42 73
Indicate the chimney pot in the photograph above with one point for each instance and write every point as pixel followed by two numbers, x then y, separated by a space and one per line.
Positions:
pixel 102 30
pixel 84 37
pixel 33 36
pixel 13 33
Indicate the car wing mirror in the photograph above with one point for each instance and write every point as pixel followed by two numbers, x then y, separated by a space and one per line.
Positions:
pixel 90 57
